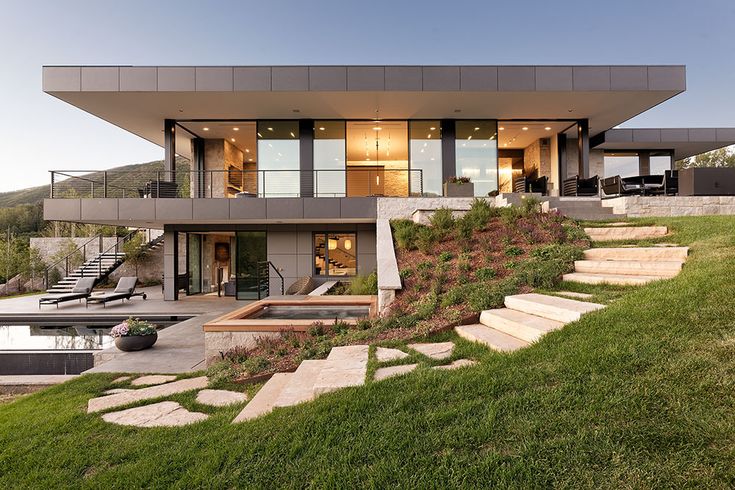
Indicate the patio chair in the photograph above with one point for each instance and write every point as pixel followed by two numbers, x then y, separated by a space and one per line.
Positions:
pixel 305 285
pixel 527 184
pixel 81 291
pixel 125 290
pixel 575 186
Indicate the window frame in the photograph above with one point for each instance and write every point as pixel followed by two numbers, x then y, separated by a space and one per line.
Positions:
pixel 326 234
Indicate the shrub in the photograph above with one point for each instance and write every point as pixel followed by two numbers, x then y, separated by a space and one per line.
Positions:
pixel 458 180
pixel 480 213
pixel 316 329
pixel 405 233
pixel 405 274
pixel 575 233
pixel 547 265
pixel 425 239
pixel 485 273
pixel 465 227
pixel 513 251
pixel 445 257
pixel 530 205
pixel 442 221
pixel 364 284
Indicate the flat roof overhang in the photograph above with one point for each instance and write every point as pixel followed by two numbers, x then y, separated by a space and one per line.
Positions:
pixel 138 99
pixel 685 142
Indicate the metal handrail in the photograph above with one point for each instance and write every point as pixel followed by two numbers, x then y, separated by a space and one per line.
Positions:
pixel 268 265
pixel 116 248
pixel 65 259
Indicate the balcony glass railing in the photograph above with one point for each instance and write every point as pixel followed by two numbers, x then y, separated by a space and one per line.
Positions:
pixel 349 182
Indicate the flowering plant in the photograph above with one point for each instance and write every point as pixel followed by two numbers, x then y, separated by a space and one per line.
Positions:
pixel 133 327
pixel 458 180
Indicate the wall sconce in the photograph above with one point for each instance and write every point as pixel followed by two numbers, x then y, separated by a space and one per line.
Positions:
pixel 332 243
pixel 348 244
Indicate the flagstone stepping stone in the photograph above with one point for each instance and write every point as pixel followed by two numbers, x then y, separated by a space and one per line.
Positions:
pixel 457 364
pixel 383 354
pixel 115 391
pixel 127 397
pixel 346 366
pixel 438 350
pixel 264 400
pixel 389 372
pixel 220 398
pixel 572 294
pixel 121 379
pixel 163 414
pixel 156 379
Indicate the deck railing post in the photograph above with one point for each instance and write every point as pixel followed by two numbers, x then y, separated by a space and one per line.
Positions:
pixel 51 193
pixel 104 184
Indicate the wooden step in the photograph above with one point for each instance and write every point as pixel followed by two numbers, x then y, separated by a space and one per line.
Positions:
pixel 637 253
pixel 629 267
pixel 264 400
pixel 490 337
pixel 551 307
pixel 614 279
pixel 518 324
pixel 300 386
pixel 626 233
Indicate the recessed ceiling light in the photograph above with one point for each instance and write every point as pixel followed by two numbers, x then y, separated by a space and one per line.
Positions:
pixel 250 159
pixel 477 129
pixel 232 139
pixel 501 128
pixel 293 135
pixel 260 135
pixel 321 128
pixel 377 128
pixel 432 128
pixel 505 144
pixel 236 129
pixel 270 129
pixel 547 128
pixel 247 150
pixel 525 128
pixel 469 137
pixel 206 129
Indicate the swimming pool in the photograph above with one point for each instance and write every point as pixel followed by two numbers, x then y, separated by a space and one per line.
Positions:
pixel 312 312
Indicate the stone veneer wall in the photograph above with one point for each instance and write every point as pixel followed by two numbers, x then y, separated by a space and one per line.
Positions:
pixel 50 246
pixel 404 207
pixel 151 270
pixel 640 206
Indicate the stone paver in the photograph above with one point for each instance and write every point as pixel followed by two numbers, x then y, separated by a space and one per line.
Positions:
pixel 220 398
pixel 112 401
pixel 495 339
pixel 383 354
pixel 346 366
pixel 438 350
pixel 457 364
pixel 121 379
pixel 574 294
pixel 115 391
pixel 626 233
pixel 300 388
pixel 155 379
pixel 551 307
pixel 389 372
pixel 163 414
pixel 262 402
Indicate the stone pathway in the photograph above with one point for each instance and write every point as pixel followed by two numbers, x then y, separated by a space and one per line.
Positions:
pixel 438 350
pixel 111 401
pixel 459 363
pixel 391 371
pixel 121 379
pixel 607 234
pixel 220 398
pixel 115 391
pixel 346 366
pixel 572 294
pixel 155 379
pixel 162 414
pixel 383 354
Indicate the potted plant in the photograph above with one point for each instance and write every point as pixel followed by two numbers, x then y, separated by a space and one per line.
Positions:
pixel 459 187
pixel 134 334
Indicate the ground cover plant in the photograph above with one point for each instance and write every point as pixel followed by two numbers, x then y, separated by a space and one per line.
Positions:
pixel 638 395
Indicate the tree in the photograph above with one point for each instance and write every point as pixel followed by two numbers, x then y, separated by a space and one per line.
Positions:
pixel 135 251
pixel 724 157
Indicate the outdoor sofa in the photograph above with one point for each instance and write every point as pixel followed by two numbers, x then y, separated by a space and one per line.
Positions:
pixel 575 186
pixel 528 184
pixel 125 290
pixel 81 291
pixel 641 185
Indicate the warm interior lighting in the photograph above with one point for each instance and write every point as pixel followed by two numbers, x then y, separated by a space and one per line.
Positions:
pixel 432 128
pixel 332 243
pixel 525 128
pixel 270 129
pixel 547 128
pixel 477 129
pixel 293 135
pixel 206 129
pixel 501 128
pixel 377 128
pixel 348 244
pixel 247 150
pixel 321 128
pixel 232 139
pixel 236 129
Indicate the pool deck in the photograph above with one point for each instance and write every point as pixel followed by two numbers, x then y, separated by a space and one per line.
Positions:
pixel 179 349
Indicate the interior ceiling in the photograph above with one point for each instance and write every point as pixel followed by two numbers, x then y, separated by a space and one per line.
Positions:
pixel 520 134
pixel 239 133
pixel 366 144
pixel 142 113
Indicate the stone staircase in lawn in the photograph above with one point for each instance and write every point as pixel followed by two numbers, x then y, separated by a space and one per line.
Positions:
pixel 615 232
pixel 525 319
pixel 628 266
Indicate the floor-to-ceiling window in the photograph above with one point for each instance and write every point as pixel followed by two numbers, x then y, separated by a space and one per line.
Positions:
pixel 329 159
pixel 624 164
pixel 278 159
pixel 476 151
pixel 250 272
pixel 194 262
pixel 660 162
pixel 335 254
pixel 426 158
pixel 377 158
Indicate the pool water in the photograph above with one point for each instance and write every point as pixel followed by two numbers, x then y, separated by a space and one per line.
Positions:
pixel 312 312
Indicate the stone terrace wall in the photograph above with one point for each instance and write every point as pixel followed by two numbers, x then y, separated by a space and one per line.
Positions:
pixel 49 246
pixel 644 206
pixel 404 207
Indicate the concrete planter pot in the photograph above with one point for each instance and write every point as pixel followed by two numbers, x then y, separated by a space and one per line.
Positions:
pixel 459 190
pixel 133 343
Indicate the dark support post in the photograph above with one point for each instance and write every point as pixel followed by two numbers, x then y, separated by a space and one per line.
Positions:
pixel 561 148
pixel 198 179
pixel 449 159
pixel 170 264
pixel 169 140
pixel 644 163
pixel 306 157
pixel 583 146
pixel 51 193
pixel 104 184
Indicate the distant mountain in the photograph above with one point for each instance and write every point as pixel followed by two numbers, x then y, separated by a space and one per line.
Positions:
pixel 116 177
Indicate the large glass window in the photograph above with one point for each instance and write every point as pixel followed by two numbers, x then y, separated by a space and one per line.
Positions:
pixel 335 254
pixel 426 158
pixel 622 164
pixel 329 159
pixel 278 159
pixel 477 154
pixel 251 268
pixel 377 158
pixel 660 163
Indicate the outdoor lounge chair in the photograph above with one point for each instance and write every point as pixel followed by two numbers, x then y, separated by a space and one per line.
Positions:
pixel 528 184
pixel 125 290
pixel 81 291
pixel 575 186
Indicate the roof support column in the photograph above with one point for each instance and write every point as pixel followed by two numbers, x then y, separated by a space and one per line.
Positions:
pixel 306 157
pixel 169 158
pixel 644 163
pixel 561 148
pixel 449 158
pixel 170 264
pixel 583 148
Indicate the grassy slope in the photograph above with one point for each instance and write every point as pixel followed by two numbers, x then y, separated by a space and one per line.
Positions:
pixel 637 395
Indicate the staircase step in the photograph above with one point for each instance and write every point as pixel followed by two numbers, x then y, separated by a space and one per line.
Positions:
pixel 614 279
pixel 490 337
pixel 519 324
pixel 345 366
pixel 300 386
pixel 626 233
pixel 629 267
pixel 264 400
pixel 637 253
pixel 551 307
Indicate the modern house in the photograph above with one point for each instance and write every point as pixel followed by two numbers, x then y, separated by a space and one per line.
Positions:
pixel 274 173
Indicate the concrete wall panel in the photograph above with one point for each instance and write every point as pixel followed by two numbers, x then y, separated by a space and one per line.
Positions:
pixel 647 135
pixel 62 78
pixel 176 79
pixel 591 78
pixel 137 209
pixel 99 209
pixel 366 78
pixel 62 209
pixel 403 78
pixel 322 207
pixel 291 78
pixel 554 78
pixel 702 134
pixel 284 208
pixel 252 78
pixel 666 78
pixel 214 79
pixel 674 134
pixel 516 78
pixel 100 78
pixel 211 209
pixel 247 208
pixel 628 78
pixel 441 78
pixel 326 78
pixel 174 209
pixel 358 207
pixel 478 78
pixel 138 79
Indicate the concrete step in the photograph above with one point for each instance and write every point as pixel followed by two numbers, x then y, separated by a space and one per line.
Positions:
pixel 637 253
pixel 490 337
pixel 589 216
pixel 264 400
pixel 300 386
pixel 345 366
pixel 551 307
pixel 518 324
pixel 614 279
pixel 629 267
pixel 612 233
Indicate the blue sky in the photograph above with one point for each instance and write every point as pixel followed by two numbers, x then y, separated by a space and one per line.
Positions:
pixel 39 133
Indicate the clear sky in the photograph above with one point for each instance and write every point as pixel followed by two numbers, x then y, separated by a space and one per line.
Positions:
pixel 39 132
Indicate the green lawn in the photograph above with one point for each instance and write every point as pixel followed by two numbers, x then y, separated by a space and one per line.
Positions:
pixel 641 394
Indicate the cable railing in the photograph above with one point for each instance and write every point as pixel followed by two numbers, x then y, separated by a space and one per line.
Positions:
pixel 71 261
pixel 357 181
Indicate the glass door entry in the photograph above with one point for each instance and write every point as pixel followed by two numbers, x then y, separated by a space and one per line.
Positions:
pixel 251 265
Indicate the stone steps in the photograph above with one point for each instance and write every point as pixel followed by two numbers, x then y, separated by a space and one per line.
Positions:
pixel 490 337
pixel 265 399
pixel 613 279
pixel 637 253
pixel 345 366
pixel 551 307
pixel 629 267
pixel 518 324
pixel 300 385
pixel 616 233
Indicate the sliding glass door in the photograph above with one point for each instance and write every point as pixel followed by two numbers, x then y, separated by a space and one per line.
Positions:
pixel 252 254
pixel 194 262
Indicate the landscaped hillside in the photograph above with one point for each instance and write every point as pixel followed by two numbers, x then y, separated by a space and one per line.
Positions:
pixel 638 395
